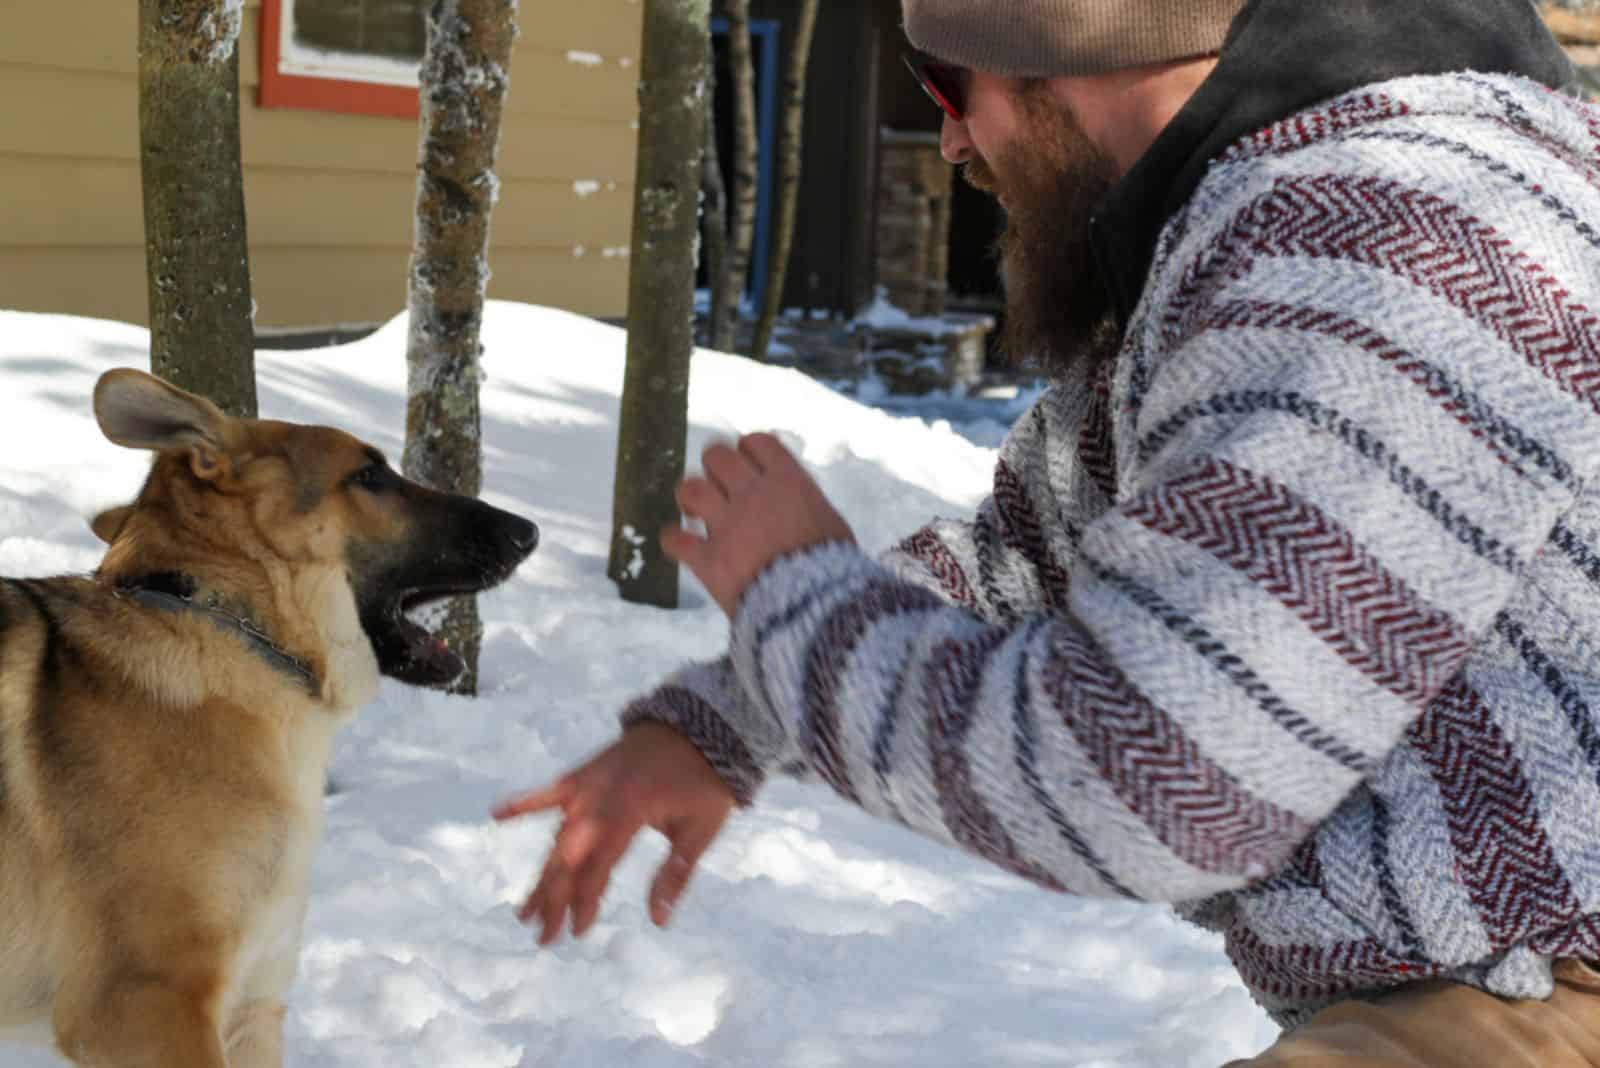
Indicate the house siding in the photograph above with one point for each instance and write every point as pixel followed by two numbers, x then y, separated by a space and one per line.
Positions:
pixel 329 197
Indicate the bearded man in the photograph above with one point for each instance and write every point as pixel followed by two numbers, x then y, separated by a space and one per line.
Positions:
pixel 1285 607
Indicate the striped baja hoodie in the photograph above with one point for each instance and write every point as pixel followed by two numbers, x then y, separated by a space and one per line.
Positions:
pixel 1290 614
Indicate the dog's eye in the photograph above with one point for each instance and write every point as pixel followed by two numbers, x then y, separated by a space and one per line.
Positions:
pixel 372 478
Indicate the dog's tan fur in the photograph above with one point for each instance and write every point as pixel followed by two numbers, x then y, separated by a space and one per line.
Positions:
pixel 161 782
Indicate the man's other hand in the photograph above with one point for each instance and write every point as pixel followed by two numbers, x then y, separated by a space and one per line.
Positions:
pixel 757 504
pixel 651 777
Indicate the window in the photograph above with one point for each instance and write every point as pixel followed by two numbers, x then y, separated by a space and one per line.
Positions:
pixel 353 56
pixel 388 28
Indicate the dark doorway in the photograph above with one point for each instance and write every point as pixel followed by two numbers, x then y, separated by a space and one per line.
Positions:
pixel 764 59
pixel 975 222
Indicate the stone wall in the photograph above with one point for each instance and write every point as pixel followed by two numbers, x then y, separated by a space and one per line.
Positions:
pixel 913 221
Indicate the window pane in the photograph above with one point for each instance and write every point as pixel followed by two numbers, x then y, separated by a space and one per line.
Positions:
pixel 369 27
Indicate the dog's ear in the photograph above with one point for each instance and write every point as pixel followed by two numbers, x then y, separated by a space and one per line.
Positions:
pixel 139 411
pixel 108 524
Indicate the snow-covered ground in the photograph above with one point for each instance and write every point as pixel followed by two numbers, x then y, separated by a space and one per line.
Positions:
pixel 814 936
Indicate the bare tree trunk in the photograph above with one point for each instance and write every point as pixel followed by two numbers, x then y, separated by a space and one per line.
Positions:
pixel 202 333
pixel 791 158
pixel 465 73
pixel 653 430
pixel 713 200
pixel 746 172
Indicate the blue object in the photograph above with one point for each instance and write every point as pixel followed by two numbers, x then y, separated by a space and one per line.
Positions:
pixel 764 36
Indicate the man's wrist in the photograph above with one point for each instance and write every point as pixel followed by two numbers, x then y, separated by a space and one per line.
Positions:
pixel 693 719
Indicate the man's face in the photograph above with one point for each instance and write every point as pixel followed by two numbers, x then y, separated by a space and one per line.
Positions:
pixel 1049 177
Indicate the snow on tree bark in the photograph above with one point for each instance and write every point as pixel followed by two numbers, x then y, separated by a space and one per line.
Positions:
pixel 653 430
pixel 463 82
pixel 790 162
pixel 730 282
pixel 202 330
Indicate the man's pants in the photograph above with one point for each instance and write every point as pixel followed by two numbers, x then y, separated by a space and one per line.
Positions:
pixel 1434 1025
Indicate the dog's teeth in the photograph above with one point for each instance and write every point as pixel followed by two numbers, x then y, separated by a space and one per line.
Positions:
pixel 429 617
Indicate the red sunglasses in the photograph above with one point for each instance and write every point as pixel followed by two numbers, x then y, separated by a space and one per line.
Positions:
pixel 945 85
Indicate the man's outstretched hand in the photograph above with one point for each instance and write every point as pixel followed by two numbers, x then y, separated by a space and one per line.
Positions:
pixel 757 504
pixel 651 777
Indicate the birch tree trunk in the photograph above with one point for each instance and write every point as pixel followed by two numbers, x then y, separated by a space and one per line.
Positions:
pixel 202 332
pixel 790 162
pixel 746 172
pixel 713 201
pixel 653 430
pixel 465 74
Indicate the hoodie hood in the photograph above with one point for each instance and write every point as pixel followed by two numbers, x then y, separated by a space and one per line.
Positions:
pixel 1284 56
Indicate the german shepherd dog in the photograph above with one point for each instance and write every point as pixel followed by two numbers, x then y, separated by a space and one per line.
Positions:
pixel 165 724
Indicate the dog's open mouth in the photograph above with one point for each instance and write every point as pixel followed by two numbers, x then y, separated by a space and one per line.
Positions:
pixel 403 633
pixel 465 548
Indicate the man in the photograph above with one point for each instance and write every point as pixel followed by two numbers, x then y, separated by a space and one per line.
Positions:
pixel 1286 604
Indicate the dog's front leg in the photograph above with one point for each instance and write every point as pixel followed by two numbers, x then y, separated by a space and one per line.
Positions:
pixel 255 1035
pixel 140 1023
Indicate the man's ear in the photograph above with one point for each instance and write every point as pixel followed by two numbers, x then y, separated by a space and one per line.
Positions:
pixel 139 411
pixel 108 524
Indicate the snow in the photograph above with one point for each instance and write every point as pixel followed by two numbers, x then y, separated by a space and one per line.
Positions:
pixel 221 28
pixel 635 565
pixel 814 936
pixel 983 416
pixel 881 314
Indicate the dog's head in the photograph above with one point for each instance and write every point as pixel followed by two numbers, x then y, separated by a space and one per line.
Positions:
pixel 258 498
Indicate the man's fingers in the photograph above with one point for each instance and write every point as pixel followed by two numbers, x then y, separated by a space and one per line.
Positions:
pixel 591 887
pixel 729 468
pixel 686 547
pixel 575 875
pixel 671 880
pixel 767 453
pixel 553 894
pixel 548 901
pixel 555 795
pixel 576 841
pixel 702 499
pixel 591 883
pixel 535 901
pixel 673 876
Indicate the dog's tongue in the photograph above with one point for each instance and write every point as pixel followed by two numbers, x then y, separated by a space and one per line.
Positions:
pixel 440 655
pixel 424 645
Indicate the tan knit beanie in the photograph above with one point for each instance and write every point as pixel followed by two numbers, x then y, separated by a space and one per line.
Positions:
pixel 1043 38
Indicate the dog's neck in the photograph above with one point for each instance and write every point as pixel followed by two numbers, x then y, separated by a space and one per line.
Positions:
pixel 175 591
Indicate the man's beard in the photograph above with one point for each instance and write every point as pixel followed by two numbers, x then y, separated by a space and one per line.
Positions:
pixel 1052 179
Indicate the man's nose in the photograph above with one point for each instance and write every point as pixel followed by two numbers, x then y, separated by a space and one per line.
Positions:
pixel 955 143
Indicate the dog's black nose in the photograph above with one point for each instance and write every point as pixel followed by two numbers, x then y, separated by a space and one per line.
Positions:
pixel 523 535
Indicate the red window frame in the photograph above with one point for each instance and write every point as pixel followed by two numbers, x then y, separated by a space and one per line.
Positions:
pixel 346 96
